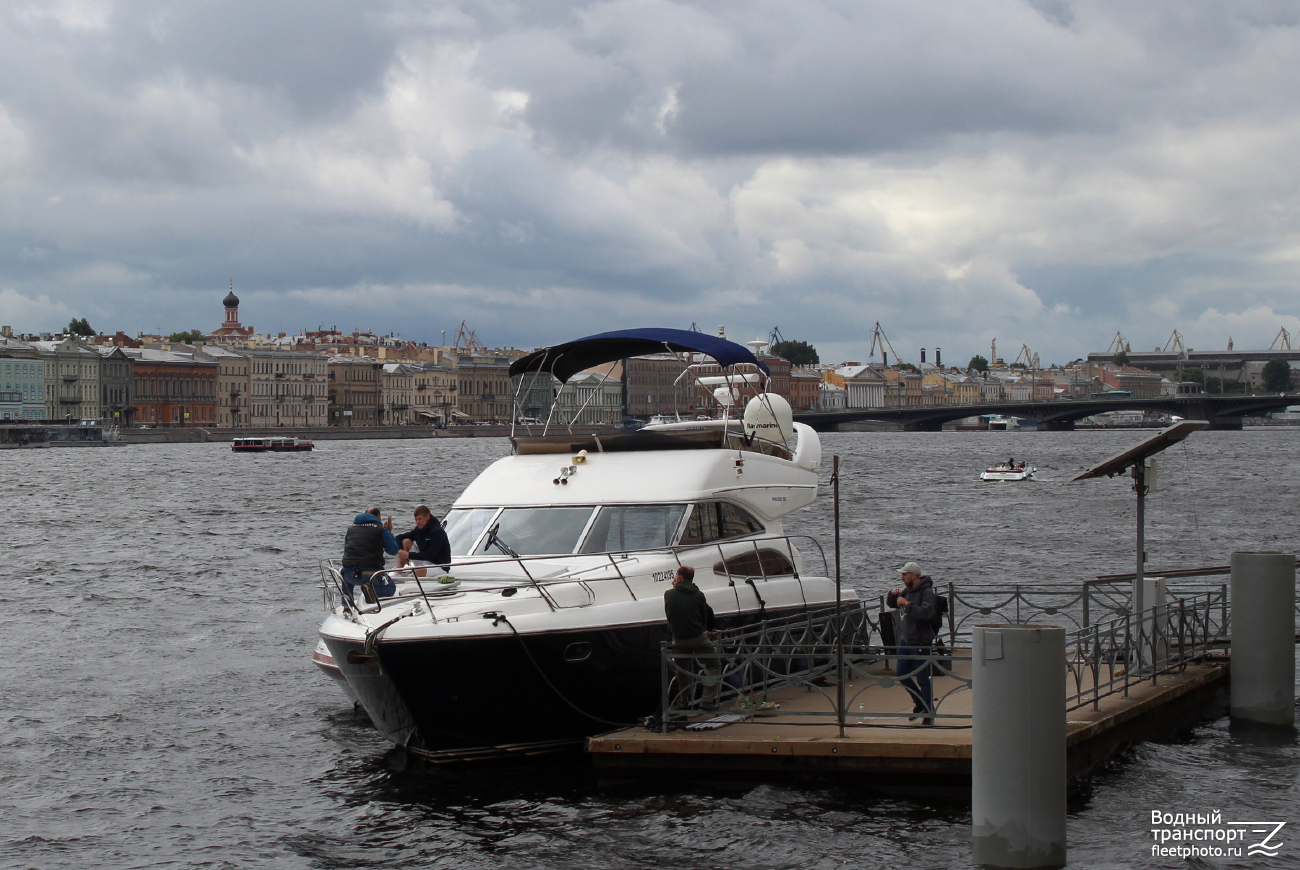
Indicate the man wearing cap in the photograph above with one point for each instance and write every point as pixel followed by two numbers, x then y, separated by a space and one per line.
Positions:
pixel 916 599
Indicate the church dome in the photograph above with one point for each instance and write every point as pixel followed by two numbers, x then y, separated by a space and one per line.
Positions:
pixel 231 300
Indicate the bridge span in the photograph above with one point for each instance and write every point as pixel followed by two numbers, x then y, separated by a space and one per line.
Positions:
pixel 1222 412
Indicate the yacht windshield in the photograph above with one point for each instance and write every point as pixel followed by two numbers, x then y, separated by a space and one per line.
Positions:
pixel 634 527
pixel 464 527
pixel 537 531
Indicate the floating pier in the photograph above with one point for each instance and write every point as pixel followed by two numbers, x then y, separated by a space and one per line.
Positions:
pixel 1127 679
pixel 880 746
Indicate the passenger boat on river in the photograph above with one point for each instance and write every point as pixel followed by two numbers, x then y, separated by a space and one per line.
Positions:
pixel 552 626
pixel 273 444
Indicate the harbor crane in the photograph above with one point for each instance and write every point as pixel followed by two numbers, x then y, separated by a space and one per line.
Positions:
pixel 466 339
pixel 1118 343
pixel 774 337
pixel 1029 358
pixel 1282 341
pixel 1176 342
pixel 881 341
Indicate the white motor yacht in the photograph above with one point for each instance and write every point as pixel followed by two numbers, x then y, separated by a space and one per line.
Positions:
pixel 550 625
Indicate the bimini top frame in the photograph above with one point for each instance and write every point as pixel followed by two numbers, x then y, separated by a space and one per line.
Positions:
pixel 563 361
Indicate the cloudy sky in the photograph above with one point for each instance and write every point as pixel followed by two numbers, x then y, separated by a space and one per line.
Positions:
pixel 1036 171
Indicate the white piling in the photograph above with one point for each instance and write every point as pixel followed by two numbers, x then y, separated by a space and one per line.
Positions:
pixel 1263 638
pixel 1018 746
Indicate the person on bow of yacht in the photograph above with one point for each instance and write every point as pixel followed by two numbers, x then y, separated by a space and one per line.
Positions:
pixel 424 546
pixel 364 546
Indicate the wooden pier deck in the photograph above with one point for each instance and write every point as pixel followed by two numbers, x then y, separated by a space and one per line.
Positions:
pixel 880 748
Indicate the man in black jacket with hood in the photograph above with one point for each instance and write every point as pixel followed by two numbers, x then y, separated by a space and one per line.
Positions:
pixel 916 599
pixel 690 619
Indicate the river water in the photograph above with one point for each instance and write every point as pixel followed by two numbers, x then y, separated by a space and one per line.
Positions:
pixel 160 710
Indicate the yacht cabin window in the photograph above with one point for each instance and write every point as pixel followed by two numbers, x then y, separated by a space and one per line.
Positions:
pixel 718 520
pixel 633 527
pixel 536 531
pixel 464 528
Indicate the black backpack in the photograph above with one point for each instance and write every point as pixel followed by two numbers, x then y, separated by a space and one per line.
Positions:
pixel 940 608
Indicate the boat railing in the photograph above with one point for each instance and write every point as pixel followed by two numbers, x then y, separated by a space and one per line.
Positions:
pixel 530 572
pixel 838 659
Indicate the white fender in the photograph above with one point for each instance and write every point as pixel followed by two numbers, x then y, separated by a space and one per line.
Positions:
pixel 808 450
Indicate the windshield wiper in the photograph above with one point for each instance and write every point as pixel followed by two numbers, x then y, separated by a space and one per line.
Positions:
pixel 494 540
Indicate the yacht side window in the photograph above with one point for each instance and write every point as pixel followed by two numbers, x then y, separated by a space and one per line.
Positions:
pixel 717 520
pixel 619 528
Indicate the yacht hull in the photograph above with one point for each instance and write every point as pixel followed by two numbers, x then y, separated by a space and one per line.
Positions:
pixel 464 697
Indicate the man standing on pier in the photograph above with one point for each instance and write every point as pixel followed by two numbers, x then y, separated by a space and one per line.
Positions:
pixel 916 600
pixel 690 619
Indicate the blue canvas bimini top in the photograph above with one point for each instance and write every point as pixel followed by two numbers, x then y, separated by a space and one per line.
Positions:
pixel 566 360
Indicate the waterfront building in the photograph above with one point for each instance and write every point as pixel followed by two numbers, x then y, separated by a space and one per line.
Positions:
pixel 116 384
pixel 533 393
pixel 1140 384
pixel 71 379
pixel 397 394
pixel 234 383
pixel 805 388
pixel 286 388
pixel 354 390
pixel 590 398
pixel 650 386
pixel 22 380
pixel 483 386
pixel 174 388
pixel 864 386
pixel 435 393
pixel 833 398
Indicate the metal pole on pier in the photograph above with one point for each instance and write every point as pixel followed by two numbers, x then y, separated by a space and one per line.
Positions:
pixel 1263 638
pixel 1018 770
pixel 839 616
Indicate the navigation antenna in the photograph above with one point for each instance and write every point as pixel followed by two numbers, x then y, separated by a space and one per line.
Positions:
pixel 1284 338
pixel 880 340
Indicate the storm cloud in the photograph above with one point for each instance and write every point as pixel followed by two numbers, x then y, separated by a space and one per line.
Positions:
pixel 1044 172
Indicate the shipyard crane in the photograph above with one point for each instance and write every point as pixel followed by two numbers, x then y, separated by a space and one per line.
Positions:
pixel 1029 358
pixel 1283 338
pixel 881 341
pixel 1176 342
pixel 466 339
pixel 1118 343
pixel 774 337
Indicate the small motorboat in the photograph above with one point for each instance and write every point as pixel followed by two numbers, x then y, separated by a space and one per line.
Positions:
pixel 1009 470
pixel 277 444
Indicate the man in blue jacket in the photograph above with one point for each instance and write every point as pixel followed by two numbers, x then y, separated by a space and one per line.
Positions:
pixel 916 599
pixel 364 546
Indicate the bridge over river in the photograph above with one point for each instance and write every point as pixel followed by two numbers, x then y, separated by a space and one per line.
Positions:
pixel 1223 412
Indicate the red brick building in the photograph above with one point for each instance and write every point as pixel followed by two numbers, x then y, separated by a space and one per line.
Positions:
pixel 174 388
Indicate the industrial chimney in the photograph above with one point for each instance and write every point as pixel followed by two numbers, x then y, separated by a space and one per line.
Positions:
pixel 922 354
pixel 938 360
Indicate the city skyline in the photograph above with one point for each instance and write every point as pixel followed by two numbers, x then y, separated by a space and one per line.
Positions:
pixel 1042 172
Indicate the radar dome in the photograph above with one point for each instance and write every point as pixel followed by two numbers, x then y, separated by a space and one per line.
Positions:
pixel 769 417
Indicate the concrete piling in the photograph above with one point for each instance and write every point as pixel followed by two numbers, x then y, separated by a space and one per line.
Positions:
pixel 1263 638
pixel 1018 757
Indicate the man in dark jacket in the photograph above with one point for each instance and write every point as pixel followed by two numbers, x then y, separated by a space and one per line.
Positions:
pixel 425 545
pixel 364 546
pixel 690 619
pixel 916 599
